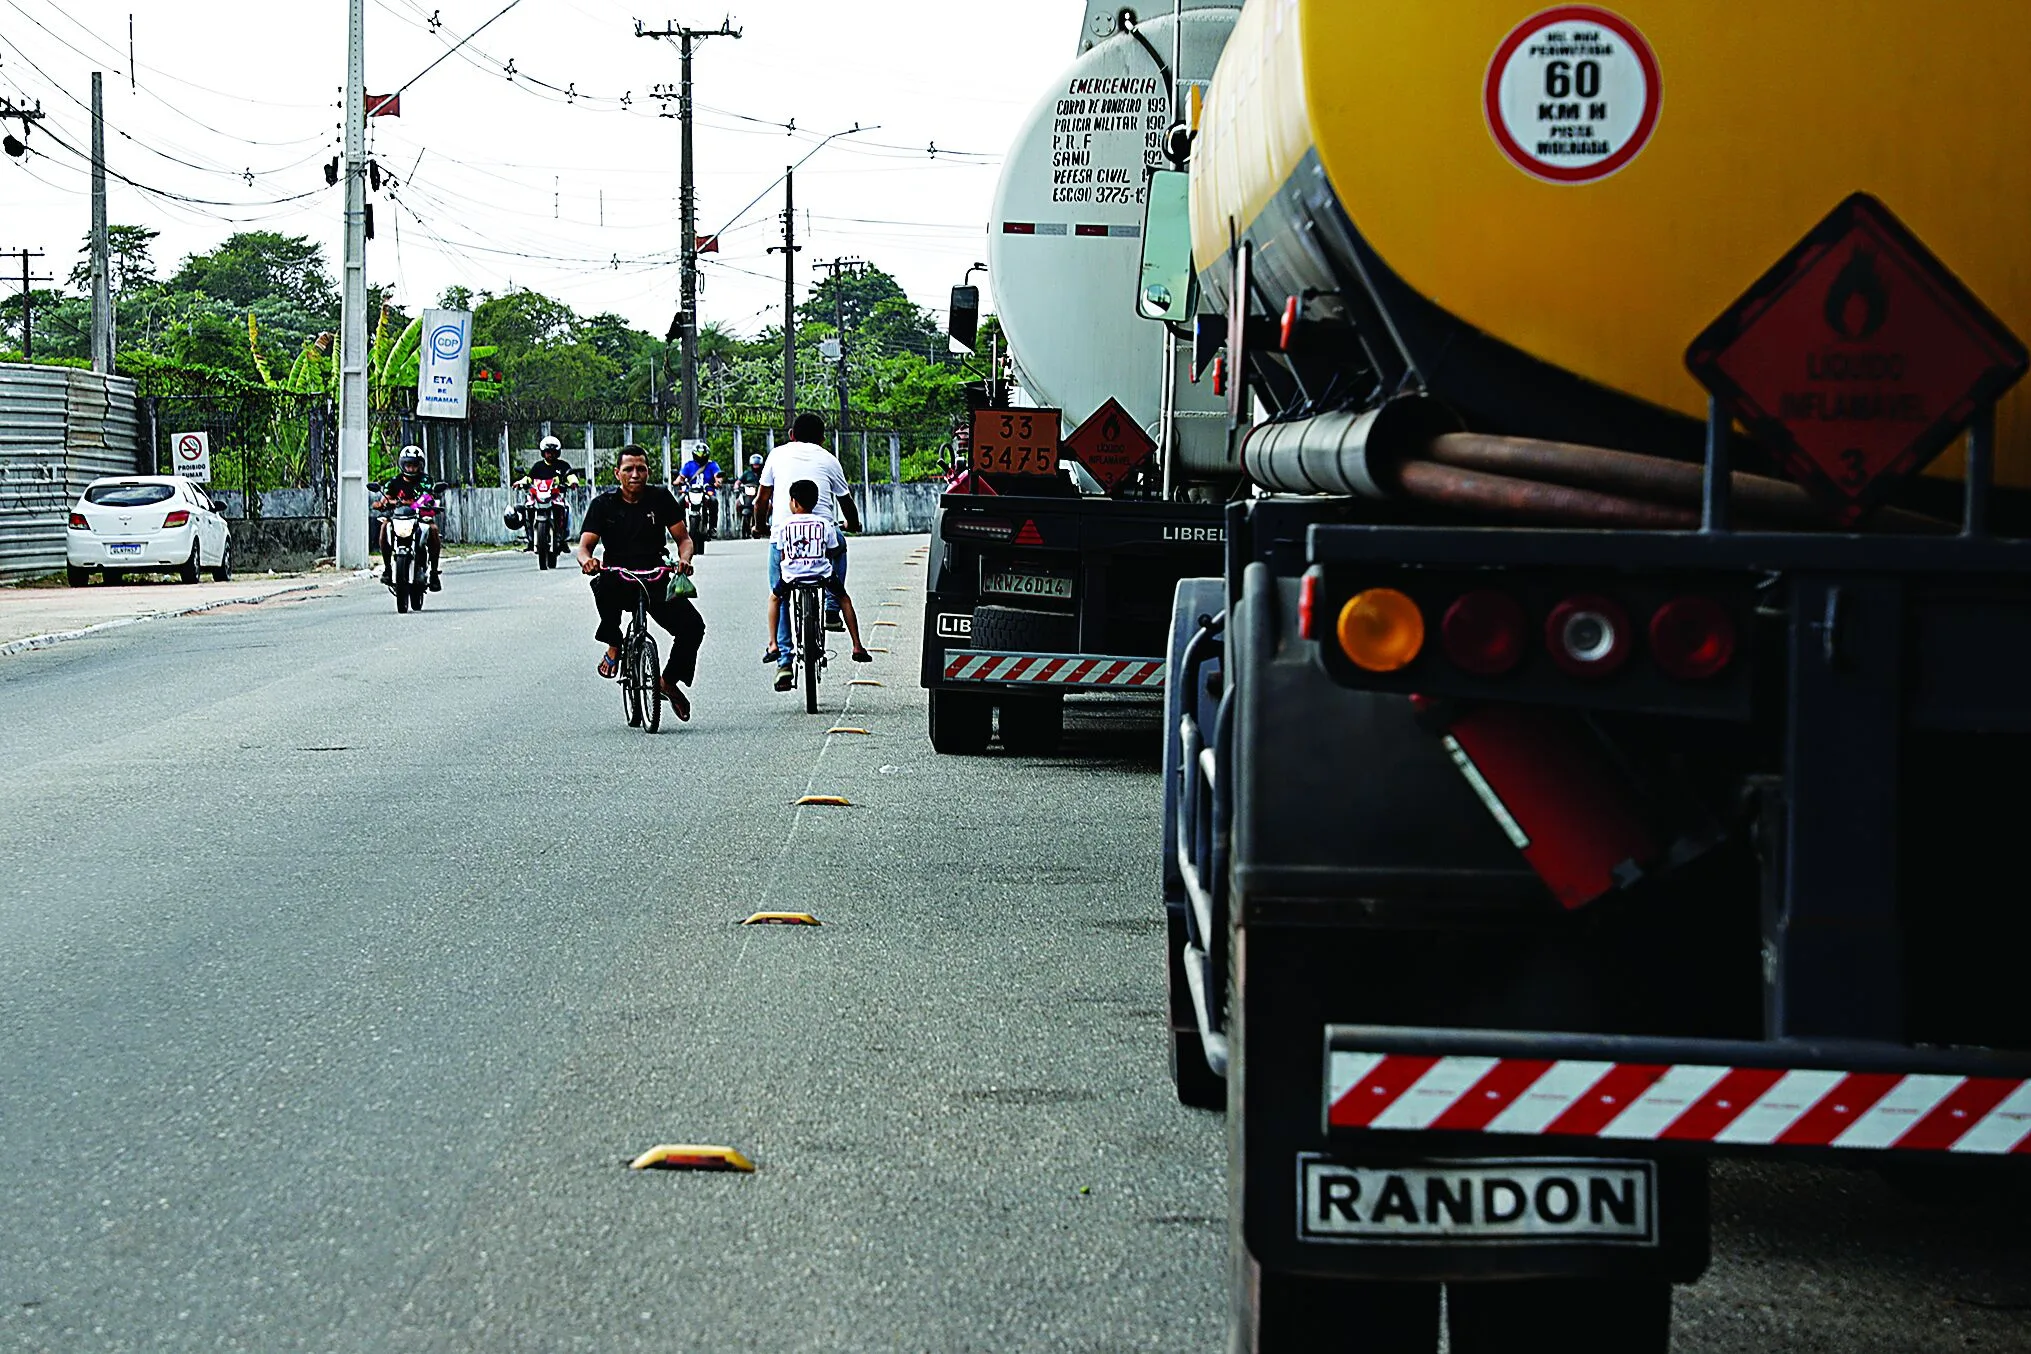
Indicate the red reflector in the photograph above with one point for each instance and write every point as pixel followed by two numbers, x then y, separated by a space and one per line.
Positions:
pixel 1219 376
pixel 1485 632
pixel 1290 323
pixel 1692 638
pixel 78 521
pixel 176 519
pixel 1029 535
pixel 1308 601
pixel 1588 636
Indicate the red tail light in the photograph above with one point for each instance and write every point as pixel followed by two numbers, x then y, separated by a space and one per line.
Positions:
pixel 1219 376
pixel 1588 635
pixel 1692 638
pixel 980 528
pixel 79 523
pixel 175 519
pixel 1289 325
pixel 1308 603
pixel 1485 633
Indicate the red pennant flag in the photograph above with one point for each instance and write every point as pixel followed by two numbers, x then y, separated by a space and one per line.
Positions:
pixel 708 244
pixel 384 105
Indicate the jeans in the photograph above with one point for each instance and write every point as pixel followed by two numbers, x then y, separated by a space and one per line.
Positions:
pixel 786 660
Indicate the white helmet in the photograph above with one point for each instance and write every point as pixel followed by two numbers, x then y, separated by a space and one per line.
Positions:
pixel 550 444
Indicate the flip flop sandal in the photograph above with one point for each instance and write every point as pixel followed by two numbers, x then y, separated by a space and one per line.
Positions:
pixel 862 656
pixel 680 705
pixel 609 666
pixel 772 654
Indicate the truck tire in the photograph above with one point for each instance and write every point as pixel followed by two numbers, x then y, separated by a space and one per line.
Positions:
pixel 1199 1087
pixel 1584 1316
pixel 1021 630
pixel 961 722
pixel 1298 1314
pixel 1033 726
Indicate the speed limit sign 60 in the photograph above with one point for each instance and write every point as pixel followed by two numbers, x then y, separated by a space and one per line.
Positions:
pixel 1573 94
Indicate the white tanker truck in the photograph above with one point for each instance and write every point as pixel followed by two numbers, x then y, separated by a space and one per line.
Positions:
pixel 1054 573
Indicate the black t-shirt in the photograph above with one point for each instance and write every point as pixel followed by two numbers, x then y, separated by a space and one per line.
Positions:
pixel 550 470
pixel 634 534
pixel 400 490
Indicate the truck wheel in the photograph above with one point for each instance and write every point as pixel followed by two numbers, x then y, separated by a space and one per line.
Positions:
pixel 961 722
pixel 1023 630
pixel 1584 1316
pixel 1276 1312
pixel 1033 726
pixel 1199 1086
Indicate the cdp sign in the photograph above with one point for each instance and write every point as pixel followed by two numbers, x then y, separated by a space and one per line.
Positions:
pixel 443 363
pixel 1573 94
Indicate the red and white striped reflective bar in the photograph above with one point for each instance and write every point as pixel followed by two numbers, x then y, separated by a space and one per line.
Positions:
pixel 1688 1103
pixel 1077 230
pixel 1054 669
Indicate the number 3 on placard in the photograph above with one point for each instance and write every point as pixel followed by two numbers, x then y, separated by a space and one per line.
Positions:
pixel 1028 424
pixel 1007 426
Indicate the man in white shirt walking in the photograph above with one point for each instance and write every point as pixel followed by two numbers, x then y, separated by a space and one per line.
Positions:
pixel 804 457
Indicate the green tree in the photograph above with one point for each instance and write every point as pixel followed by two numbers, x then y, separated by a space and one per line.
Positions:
pixel 129 256
pixel 262 265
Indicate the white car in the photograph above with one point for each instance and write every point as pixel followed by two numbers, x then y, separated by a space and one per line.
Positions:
pixel 146 522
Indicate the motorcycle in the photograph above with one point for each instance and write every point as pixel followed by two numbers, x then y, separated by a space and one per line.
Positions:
pixel 744 499
pixel 409 527
pixel 544 510
pixel 700 512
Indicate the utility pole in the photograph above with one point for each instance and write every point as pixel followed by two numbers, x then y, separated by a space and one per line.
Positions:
pixel 351 518
pixel 27 301
pixel 789 249
pixel 102 292
pixel 841 268
pixel 687 209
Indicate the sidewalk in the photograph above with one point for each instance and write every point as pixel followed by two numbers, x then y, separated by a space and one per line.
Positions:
pixel 35 618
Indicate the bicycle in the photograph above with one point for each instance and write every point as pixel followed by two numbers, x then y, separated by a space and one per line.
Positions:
pixel 807 635
pixel 641 691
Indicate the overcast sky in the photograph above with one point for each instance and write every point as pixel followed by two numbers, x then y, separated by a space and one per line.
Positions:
pixel 520 181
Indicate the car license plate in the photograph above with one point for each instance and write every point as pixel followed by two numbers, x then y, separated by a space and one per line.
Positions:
pixel 124 547
pixel 1534 1202
pixel 1027 585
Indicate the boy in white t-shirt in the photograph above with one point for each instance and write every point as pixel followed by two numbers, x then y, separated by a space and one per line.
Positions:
pixel 808 545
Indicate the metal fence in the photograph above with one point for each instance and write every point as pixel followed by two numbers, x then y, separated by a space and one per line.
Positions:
pixel 60 429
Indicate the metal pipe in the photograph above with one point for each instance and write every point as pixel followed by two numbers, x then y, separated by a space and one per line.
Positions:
pixel 1533 500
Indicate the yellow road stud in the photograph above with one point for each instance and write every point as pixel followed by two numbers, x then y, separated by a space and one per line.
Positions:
pixel 828 801
pixel 782 919
pixel 843 729
pixel 863 681
pixel 875 650
pixel 689 1156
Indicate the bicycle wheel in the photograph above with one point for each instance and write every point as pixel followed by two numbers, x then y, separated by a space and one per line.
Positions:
pixel 813 640
pixel 631 695
pixel 651 698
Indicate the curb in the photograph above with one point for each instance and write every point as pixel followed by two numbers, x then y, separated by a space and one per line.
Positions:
pixel 45 641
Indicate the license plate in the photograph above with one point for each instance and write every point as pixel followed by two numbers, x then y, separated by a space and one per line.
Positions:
pixel 124 547
pixel 1533 1202
pixel 1027 585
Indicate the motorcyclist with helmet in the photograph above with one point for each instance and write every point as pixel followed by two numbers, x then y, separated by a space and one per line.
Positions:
pixel 750 487
pixel 550 466
pixel 409 485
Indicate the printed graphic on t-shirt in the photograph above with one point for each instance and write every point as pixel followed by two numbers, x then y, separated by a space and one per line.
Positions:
pixel 802 541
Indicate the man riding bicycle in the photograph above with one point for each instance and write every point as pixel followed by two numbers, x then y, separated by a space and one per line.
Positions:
pixel 550 466
pixel 628 526
pixel 804 457
pixel 811 550
pixel 407 487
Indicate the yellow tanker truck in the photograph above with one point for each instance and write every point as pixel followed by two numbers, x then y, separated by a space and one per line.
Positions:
pixel 1599 753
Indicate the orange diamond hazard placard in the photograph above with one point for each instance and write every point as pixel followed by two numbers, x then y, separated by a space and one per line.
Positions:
pixel 1111 445
pixel 1858 358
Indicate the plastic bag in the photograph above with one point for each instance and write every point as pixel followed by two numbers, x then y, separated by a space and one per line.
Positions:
pixel 681 586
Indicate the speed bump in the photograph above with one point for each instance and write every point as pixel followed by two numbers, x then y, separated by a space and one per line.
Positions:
pixel 843 729
pixel 689 1156
pixel 782 919
pixel 828 801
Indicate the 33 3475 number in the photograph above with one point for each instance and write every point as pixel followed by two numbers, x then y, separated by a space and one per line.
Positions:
pixel 1016 441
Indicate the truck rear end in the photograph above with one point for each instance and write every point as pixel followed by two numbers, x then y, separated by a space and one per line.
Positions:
pixel 1577 774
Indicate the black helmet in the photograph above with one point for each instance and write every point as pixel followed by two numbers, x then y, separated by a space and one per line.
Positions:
pixel 512 519
pixel 411 461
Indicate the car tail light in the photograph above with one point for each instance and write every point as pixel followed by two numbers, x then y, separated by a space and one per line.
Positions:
pixel 980 528
pixel 78 522
pixel 1588 635
pixel 1692 638
pixel 1308 604
pixel 1485 632
pixel 176 519
pixel 1381 630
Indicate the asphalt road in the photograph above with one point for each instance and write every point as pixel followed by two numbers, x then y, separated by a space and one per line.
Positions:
pixel 349 957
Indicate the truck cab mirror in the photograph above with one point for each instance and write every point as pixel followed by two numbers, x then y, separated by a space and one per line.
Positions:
pixel 1165 289
pixel 963 323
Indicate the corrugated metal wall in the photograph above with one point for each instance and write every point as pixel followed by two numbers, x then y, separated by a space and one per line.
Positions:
pixel 60 429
